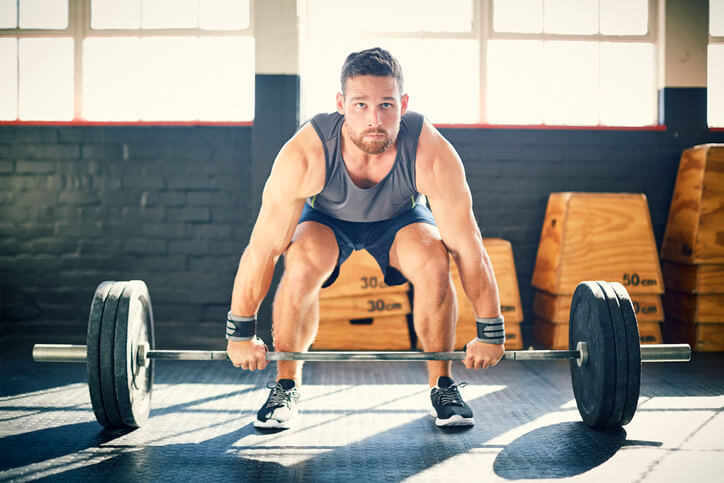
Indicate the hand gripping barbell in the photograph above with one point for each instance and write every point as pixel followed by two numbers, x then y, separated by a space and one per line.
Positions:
pixel 604 352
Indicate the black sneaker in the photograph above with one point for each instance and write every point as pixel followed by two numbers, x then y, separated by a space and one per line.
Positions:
pixel 280 407
pixel 448 406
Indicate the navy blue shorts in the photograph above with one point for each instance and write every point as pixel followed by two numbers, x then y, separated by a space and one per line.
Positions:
pixel 376 237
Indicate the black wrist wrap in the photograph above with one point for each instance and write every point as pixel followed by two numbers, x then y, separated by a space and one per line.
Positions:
pixel 240 328
pixel 491 331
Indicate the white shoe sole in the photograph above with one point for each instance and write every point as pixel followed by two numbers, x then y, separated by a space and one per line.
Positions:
pixel 272 424
pixel 454 420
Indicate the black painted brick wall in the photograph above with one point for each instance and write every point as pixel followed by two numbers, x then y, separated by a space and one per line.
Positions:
pixel 78 205
pixel 170 205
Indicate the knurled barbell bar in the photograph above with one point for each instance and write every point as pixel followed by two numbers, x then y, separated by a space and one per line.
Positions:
pixel 604 352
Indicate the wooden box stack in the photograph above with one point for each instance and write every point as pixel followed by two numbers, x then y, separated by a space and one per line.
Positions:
pixel 693 251
pixel 501 256
pixel 596 236
pixel 360 312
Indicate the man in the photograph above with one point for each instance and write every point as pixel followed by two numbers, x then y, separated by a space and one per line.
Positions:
pixel 358 179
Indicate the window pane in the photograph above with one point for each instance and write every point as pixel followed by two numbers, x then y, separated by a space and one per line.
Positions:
pixel 716 18
pixel 399 16
pixel 426 85
pixel 44 14
pixel 226 79
pixel 170 14
pixel 514 88
pixel 627 84
pixel 223 14
pixel 570 79
pixel 169 76
pixel 570 16
pixel 715 83
pixel 46 79
pixel 624 17
pixel 8 14
pixel 115 14
pixel 111 81
pixel 8 79
pixel 525 16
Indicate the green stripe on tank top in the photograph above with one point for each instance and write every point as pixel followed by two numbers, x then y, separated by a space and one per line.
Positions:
pixel 413 200
pixel 313 199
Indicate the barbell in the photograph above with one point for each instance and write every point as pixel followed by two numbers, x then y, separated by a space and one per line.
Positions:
pixel 604 353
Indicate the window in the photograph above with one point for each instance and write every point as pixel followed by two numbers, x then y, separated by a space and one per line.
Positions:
pixel 572 62
pixel 565 62
pixel 428 37
pixel 131 60
pixel 715 64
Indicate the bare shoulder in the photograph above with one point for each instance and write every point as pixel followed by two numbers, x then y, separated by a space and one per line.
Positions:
pixel 436 159
pixel 300 164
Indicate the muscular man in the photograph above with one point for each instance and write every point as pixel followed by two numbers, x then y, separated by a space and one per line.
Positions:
pixel 358 179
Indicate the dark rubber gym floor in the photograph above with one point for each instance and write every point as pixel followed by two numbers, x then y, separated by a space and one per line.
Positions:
pixel 360 422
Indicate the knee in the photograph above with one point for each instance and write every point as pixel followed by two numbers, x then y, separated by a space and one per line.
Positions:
pixel 306 270
pixel 433 275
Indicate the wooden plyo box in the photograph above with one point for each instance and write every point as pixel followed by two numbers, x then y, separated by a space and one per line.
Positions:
pixel 685 277
pixel 597 236
pixel 557 308
pixel 378 333
pixel 695 228
pixel 555 336
pixel 701 337
pixel 364 306
pixel 501 257
pixel 360 275
pixel 695 308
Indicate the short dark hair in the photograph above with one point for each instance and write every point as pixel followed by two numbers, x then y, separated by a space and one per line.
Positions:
pixel 376 61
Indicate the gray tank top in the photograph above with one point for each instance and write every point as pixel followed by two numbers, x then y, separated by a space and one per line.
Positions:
pixel 393 195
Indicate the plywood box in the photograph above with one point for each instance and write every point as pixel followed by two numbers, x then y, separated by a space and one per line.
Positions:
pixel 701 337
pixel 690 278
pixel 378 333
pixel 360 275
pixel 362 306
pixel 555 336
pixel 464 333
pixel 597 236
pixel 695 228
pixel 699 308
pixel 557 308
pixel 501 257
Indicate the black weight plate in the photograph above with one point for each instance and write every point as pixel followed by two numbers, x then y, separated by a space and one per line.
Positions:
pixel 620 353
pixel 93 351
pixel 594 384
pixel 108 334
pixel 634 353
pixel 134 327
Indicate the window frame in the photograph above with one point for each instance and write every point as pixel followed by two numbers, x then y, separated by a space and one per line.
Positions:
pixel 713 40
pixel 79 29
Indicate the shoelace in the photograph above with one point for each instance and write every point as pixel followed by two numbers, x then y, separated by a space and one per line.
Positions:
pixel 450 395
pixel 279 397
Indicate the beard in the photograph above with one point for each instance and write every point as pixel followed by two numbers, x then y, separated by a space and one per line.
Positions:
pixel 373 146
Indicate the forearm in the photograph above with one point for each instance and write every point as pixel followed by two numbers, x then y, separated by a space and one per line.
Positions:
pixel 478 279
pixel 252 281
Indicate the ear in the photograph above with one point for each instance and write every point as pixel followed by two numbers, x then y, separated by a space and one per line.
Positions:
pixel 404 99
pixel 340 103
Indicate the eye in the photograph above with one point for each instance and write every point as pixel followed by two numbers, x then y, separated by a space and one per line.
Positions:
pixel 386 105
pixel 360 105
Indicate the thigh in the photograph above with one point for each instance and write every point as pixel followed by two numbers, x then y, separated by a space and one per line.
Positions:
pixel 418 252
pixel 313 245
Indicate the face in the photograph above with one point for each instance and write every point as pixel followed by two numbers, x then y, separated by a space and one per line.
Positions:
pixel 372 108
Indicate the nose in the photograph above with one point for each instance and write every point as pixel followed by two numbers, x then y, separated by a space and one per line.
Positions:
pixel 375 117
